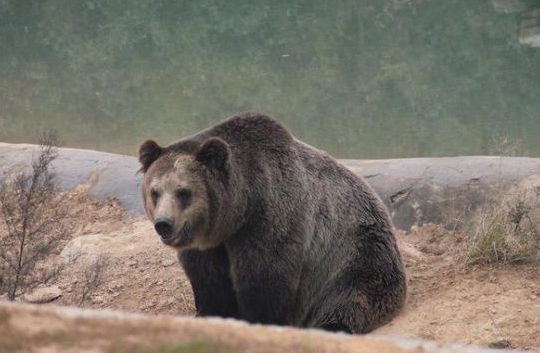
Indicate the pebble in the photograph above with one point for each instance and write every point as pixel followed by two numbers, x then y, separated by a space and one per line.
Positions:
pixel 168 262
pixel 131 263
pixel 98 299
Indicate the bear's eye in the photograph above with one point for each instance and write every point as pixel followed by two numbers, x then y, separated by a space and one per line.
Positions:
pixel 184 195
pixel 154 194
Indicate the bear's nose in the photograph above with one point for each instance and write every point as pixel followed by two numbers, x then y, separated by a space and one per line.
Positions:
pixel 163 227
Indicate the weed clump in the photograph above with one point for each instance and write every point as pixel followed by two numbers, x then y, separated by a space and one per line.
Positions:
pixel 507 232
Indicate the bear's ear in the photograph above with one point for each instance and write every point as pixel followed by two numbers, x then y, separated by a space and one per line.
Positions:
pixel 149 151
pixel 214 153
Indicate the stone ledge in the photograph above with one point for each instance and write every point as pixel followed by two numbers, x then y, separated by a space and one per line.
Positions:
pixel 415 190
pixel 25 327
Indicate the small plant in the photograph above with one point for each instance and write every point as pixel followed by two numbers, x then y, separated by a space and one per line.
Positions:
pixel 33 215
pixel 504 146
pixel 93 277
pixel 507 232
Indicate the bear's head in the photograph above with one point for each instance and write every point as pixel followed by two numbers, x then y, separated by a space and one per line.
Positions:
pixel 187 193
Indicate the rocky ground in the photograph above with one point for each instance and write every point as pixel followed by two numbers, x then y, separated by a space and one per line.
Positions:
pixel 449 302
pixel 135 272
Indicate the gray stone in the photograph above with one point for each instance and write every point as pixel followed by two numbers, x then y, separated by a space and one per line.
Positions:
pixel 416 190
pixel 168 262
pixel 85 248
pixel 204 329
pixel 110 175
pixel 444 191
pixel 43 295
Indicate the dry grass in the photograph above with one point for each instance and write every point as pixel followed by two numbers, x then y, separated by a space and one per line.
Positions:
pixel 94 275
pixel 506 232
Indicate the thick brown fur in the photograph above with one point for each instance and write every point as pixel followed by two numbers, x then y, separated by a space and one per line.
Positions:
pixel 276 231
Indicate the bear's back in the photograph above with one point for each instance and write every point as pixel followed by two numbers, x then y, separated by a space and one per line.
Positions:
pixel 250 132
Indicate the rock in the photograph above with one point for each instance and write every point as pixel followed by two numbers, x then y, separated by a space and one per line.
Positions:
pixel 87 250
pixel 112 175
pixel 417 191
pixel 162 302
pixel 84 247
pixel 43 295
pixel 104 331
pixel 168 262
pixel 131 263
pixel 98 299
pixel 445 191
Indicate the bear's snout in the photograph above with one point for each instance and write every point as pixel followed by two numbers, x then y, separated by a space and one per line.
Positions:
pixel 163 227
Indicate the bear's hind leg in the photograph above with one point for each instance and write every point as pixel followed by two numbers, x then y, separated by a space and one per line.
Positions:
pixel 208 272
pixel 348 318
pixel 352 310
pixel 340 310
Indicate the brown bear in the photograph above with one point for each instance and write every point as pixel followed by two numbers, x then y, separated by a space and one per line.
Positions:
pixel 271 230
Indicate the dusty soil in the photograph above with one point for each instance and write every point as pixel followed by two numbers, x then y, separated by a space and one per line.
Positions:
pixel 448 301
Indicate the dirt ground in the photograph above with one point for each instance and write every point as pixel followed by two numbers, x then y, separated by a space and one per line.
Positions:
pixel 448 302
